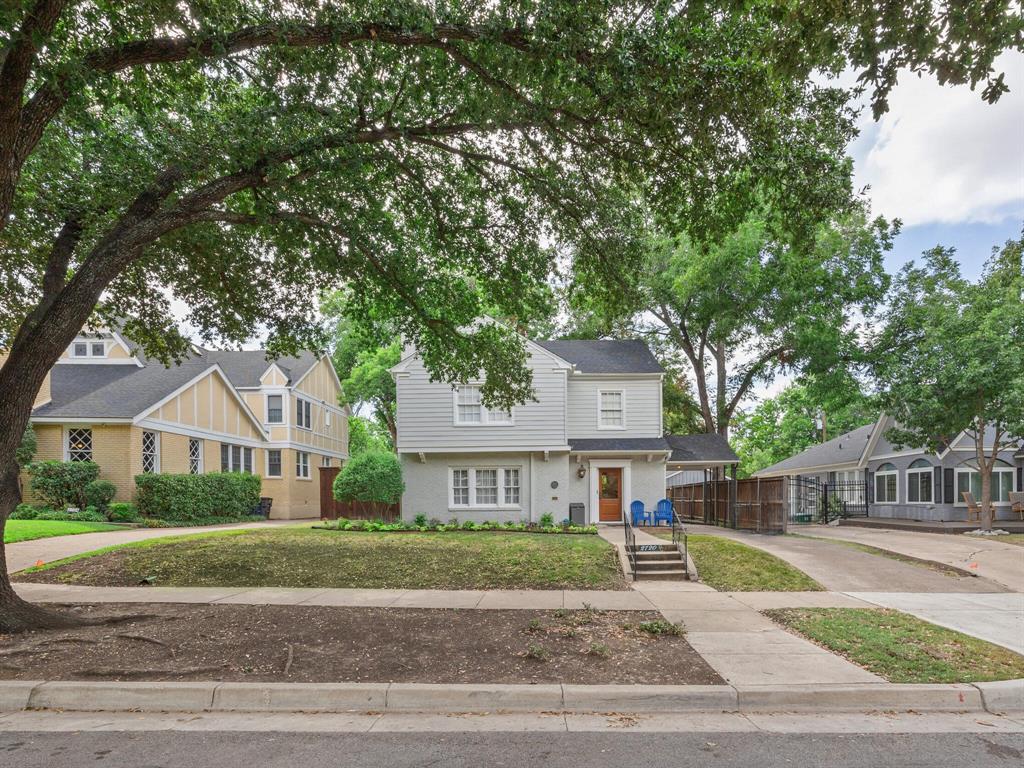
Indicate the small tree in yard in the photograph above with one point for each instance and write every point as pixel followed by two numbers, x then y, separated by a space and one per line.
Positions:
pixel 371 478
pixel 949 359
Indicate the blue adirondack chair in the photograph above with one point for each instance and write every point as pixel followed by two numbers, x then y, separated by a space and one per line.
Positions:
pixel 638 514
pixel 663 512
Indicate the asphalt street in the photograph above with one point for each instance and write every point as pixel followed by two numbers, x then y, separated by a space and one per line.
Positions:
pixel 177 749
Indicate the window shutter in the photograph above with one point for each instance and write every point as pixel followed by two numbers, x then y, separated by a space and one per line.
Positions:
pixel 1020 478
pixel 831 478
pixel 948 496
pixel 937 493
pixel 869 478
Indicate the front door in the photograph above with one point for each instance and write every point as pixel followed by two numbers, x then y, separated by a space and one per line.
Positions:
pixel 609 494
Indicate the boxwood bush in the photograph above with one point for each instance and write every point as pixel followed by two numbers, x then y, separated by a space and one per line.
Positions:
pixel 373 478
pixel 190 497
pixel 62 483
pixel 99 494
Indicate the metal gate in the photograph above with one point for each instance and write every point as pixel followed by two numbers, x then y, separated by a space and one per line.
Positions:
pixel 811 500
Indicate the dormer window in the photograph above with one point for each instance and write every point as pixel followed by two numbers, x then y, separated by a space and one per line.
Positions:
pixel 89 349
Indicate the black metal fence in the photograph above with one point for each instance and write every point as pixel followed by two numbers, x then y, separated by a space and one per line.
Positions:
pixel 811 500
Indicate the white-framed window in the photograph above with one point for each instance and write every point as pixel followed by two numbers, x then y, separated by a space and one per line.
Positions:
pixel 472 487
pixel 886 484
pixel 235 458
pixel 275 409
pixel 195 456
pixel 611 409
pixel 79 445
pixel 470 409
pixel 80 349
pixel 303 413
pixel 89 349
pixel 920 482
pixel 150 452
pixel 325 461
pixel 302 464
pixel 968 479
pixel 274 462
pixel 98 349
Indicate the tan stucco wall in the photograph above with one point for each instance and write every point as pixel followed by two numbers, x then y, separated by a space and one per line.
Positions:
pixel 208 404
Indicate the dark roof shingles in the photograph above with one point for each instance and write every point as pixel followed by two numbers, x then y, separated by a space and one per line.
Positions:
pixel 605 356
pixel 712 448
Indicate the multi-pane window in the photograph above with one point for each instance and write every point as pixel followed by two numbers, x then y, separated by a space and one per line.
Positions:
pixel 150 452
pixel 886 484
pixel 304 414
pixel 99 349
pixel 80 349
pixel 969 480
pixel 195 456
pixel 469 408
pixel 610 410
pixel 79 444
pixel 274 463
pixel 89 349
pixel 325 461
pixel 301 464
pixel 275 409
pixel 235 458
pixel 920 482
pixel 485 486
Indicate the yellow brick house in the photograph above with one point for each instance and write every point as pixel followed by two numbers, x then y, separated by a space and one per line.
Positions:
pixel 106 402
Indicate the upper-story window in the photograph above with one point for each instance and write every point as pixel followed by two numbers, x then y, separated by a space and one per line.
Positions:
pixel 304 413
pixel 886 484
pixel 275 409
pixel 611 409
pixel 89 349
pixel 470 409
pixel 920 481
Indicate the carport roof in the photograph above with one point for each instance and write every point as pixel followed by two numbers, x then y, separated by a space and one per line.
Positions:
pixel 710 449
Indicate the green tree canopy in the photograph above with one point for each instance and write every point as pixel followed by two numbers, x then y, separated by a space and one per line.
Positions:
pixel 948 359
pixel 367 435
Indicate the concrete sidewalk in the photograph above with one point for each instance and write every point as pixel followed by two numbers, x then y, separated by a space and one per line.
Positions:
pixel 24 554
pixel 988 557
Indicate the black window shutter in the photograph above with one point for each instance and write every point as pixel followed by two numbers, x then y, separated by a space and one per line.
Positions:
pixel 937 493
pixel 869 478
pixel 947 494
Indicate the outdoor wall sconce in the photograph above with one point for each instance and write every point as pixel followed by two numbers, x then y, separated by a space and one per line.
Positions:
pixel 581 472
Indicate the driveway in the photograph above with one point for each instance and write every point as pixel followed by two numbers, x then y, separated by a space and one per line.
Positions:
pixel 839 568
pixel 988 557
pixel 26 553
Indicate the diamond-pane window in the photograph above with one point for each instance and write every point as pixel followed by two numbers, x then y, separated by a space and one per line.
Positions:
pixel 195 456
pixel 150 452
pixel 79 444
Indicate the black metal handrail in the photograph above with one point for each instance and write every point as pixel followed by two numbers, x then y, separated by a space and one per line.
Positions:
pixel 630 534
pixel 679 540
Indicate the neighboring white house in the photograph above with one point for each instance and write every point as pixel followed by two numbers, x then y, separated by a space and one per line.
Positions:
pixel 592 436
pixel 906 483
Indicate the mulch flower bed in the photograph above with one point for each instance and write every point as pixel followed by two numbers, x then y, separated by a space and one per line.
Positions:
pixel 322 644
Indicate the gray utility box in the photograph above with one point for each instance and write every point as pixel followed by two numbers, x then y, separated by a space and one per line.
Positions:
pixel 577 514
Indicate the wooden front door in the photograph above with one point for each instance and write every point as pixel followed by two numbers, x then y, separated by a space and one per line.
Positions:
pixel 609 495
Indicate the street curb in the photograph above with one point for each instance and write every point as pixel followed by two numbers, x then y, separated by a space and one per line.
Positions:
pixel 107 696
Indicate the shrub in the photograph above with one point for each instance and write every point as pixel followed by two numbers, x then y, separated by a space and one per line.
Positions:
pixel 191 497
pixel 99 493
pixel 420 521
pixel 89 515
pixel 62 483
pixel 24 512
pixel 373 478
pixel 26 451
pixel 547 520
pixel 122 512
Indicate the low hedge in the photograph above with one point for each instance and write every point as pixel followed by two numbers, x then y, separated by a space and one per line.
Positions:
pixel 197 497
pixel 434 526
pixel 33 512
pixel 62 483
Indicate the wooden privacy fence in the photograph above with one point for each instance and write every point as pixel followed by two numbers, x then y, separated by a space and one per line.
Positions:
pixel 753 504
pixel 331 509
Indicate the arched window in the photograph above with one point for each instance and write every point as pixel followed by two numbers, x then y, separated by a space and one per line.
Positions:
pixel 920 482
pixel 886 484
pixel 968 479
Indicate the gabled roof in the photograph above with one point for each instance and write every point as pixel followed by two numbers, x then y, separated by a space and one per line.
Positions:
pixel 712 449
pixel 845 450
pixel 245 367
pixel 605 356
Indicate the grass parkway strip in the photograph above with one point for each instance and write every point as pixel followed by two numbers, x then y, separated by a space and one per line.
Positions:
pixel 30 530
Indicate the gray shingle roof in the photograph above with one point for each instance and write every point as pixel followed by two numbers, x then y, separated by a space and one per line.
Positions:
pixel 845 449
pixel 619 444
pixel 606 356
pixel 712 448
pixel 244 367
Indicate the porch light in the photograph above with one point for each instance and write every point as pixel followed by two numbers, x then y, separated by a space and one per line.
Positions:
pixel 581 471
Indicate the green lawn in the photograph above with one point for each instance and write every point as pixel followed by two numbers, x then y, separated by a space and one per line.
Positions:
pixel 26 530
pixel 306 557
pixel 902 648
pixel 730 566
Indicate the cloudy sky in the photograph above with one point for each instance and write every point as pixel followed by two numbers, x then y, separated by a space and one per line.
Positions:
pixel 948 164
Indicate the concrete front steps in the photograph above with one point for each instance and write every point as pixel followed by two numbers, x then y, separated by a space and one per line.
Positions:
pixel 659 562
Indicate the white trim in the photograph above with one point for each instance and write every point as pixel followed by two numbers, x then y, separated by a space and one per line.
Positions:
pixel 64 440
pixel 485 412
pixel 198 432
pixel 793 471
pixel 266 464
pixel 580 375
pixel 297 423
pixel 622 409
pixel 869 447
pixel 958 500
pixel 156 452
pixel 593 513
pixel 99 361
pixel 901 454
pixel 483 449
pixel 77 420
pixel 930 471
pixel 309 465
pixel 473 505
pixel 270 369
pixel 202 455
pixel 283 394
pixel 874 479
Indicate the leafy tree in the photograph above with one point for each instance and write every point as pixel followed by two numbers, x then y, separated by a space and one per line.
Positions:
pixel 373 478
pixel 367 435
pixel 760 302
pixel 235 153
pixel 949 357
pixel 680 413
pixel 782 426
pixel 370 382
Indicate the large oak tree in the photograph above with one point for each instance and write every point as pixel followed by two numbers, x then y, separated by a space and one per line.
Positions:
pixel 239 155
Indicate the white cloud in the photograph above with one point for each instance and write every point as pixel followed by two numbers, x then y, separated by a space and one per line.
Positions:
pixel 941 154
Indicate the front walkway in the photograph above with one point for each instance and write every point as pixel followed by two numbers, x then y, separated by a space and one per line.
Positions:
pixel 24 554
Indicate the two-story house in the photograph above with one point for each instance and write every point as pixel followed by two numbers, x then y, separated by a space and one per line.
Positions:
pixel 237 411
pixel 592 436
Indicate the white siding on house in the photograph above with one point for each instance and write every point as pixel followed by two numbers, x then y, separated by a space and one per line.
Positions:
pixel 426 417
pixel 642 398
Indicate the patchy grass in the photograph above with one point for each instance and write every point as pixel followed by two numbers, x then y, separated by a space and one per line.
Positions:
pixel 902 648
pixel 28 530
pixel 1010 538
pixel 305 557
pixel 730 566
pixel 931 565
